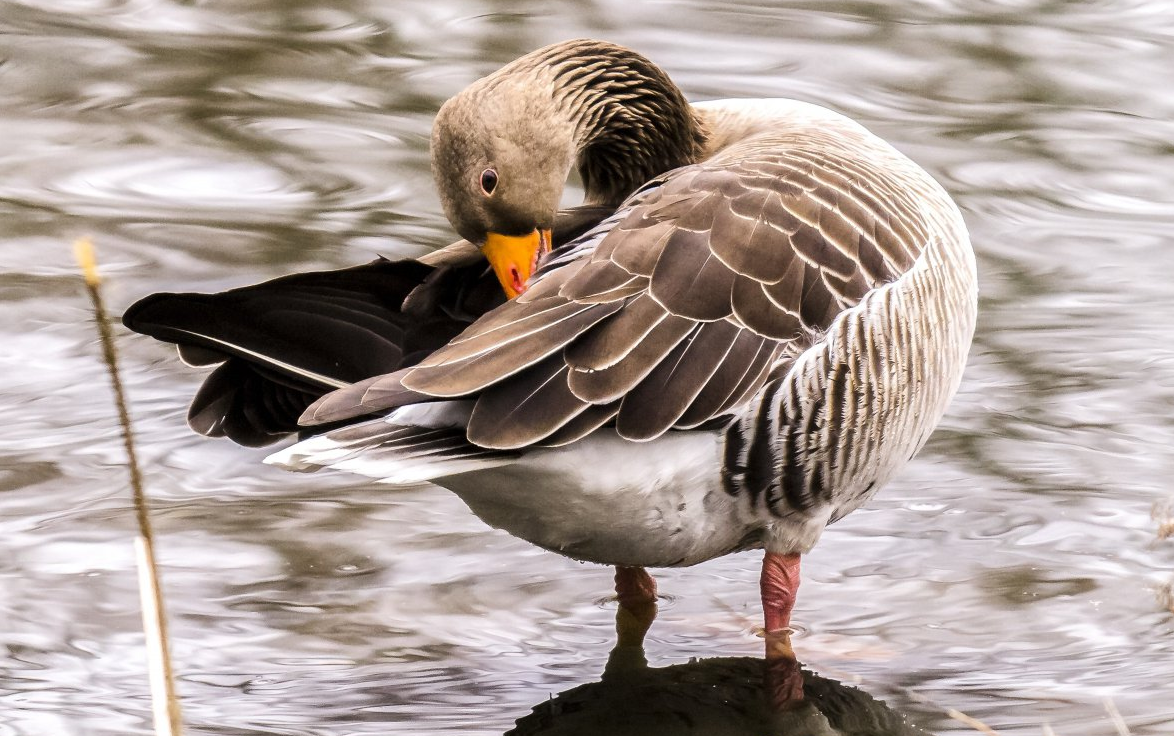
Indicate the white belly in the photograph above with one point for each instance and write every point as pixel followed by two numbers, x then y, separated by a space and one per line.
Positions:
pixel 607 500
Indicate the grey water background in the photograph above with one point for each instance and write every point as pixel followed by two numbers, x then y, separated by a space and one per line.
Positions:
pixel 1014 572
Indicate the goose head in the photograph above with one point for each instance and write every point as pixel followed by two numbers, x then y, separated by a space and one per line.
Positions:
pixel 500 159
pixel 502 149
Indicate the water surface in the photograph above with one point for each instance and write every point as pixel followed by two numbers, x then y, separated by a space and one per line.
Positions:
pixel 1014 572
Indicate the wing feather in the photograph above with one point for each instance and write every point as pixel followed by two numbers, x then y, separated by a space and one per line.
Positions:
pixel 689 280
pixel 611 383
pixel 656 403
pixel 541 316
pixel 754 309
pixel 467 374
pixel 594 417
pixel 520 412
pixel 677 313
pixel 753 379
pixel 717 390
pixel 616 338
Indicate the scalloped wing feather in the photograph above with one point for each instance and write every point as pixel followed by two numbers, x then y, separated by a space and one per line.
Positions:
pixel 705 282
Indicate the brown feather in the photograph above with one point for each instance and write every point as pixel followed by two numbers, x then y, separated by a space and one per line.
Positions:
pixel 505 318
pixel 689 280
pixel 598 278
pixel 370 396
pixel 511 324
pixel 873 265
pixel 613 382
pixel 345 403
pixel 611 341
pixel 753 237
pixel 461 377
pixel 721 385
pixel 843 242
pixel 809 243
pixel 525 408
pixel 578 427
pixel 651 409
pixel 754 309
pixel 389 392
pixel 636 243
pixel 818 308
pixel 787 292
pixel 752 380
pixel 846 292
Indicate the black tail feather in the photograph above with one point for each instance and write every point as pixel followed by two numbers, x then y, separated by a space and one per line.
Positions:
pixel 284 343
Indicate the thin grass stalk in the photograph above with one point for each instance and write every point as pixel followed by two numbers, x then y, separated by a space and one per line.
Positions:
pixel 164 700
pixel 1115 717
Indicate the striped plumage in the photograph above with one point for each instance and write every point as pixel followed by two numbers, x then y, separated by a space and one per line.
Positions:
pixel 768 319
pixel 804 291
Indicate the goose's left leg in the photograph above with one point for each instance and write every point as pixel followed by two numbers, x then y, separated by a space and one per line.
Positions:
pixel 780 584
pixel 636 591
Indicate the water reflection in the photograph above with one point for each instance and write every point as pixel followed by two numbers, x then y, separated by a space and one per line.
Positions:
pixel 721 696
pixel 725 696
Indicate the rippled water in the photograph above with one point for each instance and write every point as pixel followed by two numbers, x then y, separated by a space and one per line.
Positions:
pixel 1014 572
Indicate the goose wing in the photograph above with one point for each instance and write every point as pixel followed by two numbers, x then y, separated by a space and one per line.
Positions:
pixel 282 344
pixel 675 310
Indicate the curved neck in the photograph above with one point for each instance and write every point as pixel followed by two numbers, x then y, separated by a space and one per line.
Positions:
pixel 629 123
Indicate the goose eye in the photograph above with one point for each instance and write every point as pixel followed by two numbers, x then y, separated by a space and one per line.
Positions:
pixel 488 181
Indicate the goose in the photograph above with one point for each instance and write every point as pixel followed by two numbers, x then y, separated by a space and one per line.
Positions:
pixel 757 317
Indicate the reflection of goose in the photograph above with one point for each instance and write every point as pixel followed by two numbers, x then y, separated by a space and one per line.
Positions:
pixel 767 326
pixel 709 697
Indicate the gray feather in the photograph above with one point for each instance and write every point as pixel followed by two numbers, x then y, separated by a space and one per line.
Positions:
pixel 611 383
pixel 524 409
pixel 652 407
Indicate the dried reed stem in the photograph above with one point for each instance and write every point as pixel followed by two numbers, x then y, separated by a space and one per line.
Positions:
pixel 954 713
pixel 164 700
pixel 1115 716
pixel 971 721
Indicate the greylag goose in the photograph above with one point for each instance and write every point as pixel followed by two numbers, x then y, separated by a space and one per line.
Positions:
pixel 758 317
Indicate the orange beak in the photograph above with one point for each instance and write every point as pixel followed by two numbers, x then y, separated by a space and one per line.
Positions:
pixel 515 257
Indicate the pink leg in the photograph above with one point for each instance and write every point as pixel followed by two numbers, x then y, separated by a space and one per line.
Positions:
pixel 634 587
pixel 780 584
pixel 636 591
